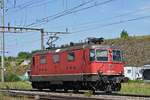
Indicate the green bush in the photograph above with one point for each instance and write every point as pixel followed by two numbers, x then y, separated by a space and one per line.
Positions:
pixel 12 78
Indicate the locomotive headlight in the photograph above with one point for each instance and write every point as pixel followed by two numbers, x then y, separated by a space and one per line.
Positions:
pixel 120 73
pixel 100 72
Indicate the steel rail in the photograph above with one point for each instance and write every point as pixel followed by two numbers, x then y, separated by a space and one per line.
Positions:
pixel 46 94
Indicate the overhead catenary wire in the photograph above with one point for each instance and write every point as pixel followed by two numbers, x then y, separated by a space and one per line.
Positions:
pixel 69 11
pixel 29 4
pixel 42 4
pixel 23 5
pixel 60 13
pixel 114 23
pixel 123 14
pixel 104 19
pixel 26 4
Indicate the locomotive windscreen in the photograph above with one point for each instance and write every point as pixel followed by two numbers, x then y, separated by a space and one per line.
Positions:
pixel 99 54
pixel 92 55
pixel 102 55
pixel 146 74
pixel 117 55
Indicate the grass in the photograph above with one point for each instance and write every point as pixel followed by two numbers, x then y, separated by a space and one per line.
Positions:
pixel 135 88
pixel 15 85
pixel 7 97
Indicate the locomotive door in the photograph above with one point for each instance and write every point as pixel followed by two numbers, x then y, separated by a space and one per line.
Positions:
pixel 37 65
pixel 85 64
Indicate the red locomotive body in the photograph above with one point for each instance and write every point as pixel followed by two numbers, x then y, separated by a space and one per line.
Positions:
pixel 86 66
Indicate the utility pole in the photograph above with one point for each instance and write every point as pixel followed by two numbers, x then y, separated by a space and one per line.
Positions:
pixel 2 43
pixel 42 39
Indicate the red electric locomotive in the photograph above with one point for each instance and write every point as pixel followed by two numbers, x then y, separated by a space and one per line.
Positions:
pixel 89 66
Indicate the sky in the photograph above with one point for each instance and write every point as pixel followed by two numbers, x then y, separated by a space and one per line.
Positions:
pixel 82 18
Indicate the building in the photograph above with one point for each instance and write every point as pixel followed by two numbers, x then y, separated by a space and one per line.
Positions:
pixel 146 73
pixel 133 73
pixel 141 73
pixel 25 76
pixel 13 63
pixel 25 62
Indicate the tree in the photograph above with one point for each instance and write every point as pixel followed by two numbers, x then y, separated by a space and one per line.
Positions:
pixel 11 77
pixel 10 58
pixel 25 55
pixel 124 34
pixel 35 51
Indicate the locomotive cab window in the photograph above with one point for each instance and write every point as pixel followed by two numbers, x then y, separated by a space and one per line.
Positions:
pixel 92 55
pixel 101 55
pixel 117 56
pixel 71 56
pixel 56 58
pixel 33 61
pixel 43 60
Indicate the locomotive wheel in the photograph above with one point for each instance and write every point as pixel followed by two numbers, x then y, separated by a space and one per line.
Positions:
pixel 118 86
pixel 40 89
pixel 108 92
pixel 108 89
pixel 53 90
pixel 66 90
pixel 75 91
pixel 93 91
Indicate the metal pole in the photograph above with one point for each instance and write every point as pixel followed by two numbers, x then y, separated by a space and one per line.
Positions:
pixel 42 39
pixel 2 43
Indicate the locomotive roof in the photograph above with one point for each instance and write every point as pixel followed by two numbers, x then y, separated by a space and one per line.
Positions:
pixel 78 47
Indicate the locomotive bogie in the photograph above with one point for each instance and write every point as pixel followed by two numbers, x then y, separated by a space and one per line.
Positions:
pixel 97 84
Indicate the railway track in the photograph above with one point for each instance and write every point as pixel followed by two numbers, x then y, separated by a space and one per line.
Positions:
pixel 47 95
